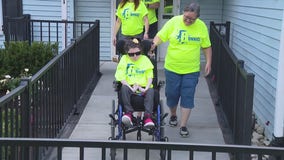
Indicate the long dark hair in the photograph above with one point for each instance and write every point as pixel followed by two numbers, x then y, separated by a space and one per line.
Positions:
pixel 132 43
pixel 136 3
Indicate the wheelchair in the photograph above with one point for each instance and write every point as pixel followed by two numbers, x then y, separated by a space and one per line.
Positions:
pixel 119 130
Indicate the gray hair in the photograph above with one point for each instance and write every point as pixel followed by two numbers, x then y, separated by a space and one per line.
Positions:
pixel 193 7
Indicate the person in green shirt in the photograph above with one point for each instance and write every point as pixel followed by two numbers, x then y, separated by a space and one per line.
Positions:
pixel 187 35
pixel 132 17
pixel 135 72
pixel 152 6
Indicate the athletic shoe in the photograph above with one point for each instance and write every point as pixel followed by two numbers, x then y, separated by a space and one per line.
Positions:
pixel 127 119
pixel 173 121
pixel 183 132
pixel 148 123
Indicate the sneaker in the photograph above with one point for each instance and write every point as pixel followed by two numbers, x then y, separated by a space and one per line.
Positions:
pixel 127 119
pixel 148 123
pixel 173 121
pixel 183 132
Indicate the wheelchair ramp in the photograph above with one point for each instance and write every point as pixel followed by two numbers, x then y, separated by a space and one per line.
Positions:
pixel 94 122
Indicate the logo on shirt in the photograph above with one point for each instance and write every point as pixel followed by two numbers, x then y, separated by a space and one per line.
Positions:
pixel 127 13
pixel 132 71
pixel 183 37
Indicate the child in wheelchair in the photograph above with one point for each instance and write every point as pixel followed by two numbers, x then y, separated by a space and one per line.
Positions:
pixel 135 72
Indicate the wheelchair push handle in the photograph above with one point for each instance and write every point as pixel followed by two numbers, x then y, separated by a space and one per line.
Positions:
pixel 116 85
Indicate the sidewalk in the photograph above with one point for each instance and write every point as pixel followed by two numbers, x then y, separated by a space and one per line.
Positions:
pixel 94 122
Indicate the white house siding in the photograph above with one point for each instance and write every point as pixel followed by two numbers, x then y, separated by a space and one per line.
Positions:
pixel 2 39
pixel 210 10
pixel 43 9
pixel 40 9
pixel 47 10
pixel 255 38
pixel 91 10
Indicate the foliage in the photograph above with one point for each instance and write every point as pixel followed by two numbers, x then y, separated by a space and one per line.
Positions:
pixel 17 57
pixel 20 55
pixel 7 84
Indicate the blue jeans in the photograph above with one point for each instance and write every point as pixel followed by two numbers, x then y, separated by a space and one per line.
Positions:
pixel 181 87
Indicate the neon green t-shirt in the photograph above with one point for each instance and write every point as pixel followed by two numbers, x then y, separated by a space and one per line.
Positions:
pixel 132 22
pixel 185 42
pixel 151 12
pixel 134 71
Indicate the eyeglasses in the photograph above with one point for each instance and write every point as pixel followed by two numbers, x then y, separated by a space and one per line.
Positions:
pixel 189 18
pixel 132 54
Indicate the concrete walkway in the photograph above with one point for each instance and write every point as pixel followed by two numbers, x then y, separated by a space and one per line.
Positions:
pixel 94 122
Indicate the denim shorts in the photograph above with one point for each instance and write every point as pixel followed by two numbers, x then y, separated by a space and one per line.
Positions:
pixel 180 87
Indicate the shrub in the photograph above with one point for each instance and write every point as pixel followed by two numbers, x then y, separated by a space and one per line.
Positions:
pixel 18 56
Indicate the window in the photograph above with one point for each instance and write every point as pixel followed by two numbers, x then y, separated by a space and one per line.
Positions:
pixel 168 6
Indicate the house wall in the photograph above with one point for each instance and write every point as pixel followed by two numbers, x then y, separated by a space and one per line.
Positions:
pixel 47 10
pixel 255 38
pixel 2 40
pixel 91 10
pixel 210 10
pixel 43 9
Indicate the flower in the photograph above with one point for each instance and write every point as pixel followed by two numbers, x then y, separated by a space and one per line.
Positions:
pixel 3 80
pixel 7 77
pixel 25 73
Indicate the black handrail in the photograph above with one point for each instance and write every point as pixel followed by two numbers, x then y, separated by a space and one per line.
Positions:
pixel 26 29
pixel 42 104
pixel 169 147
pixel 234 85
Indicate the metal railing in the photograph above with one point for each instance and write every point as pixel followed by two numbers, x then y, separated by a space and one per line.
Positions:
pixel 26 29
pixel 42 104
pixel 213 152
pixel 234 86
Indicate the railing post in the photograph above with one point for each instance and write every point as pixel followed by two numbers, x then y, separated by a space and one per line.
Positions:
pixel 25 114
pixel 5 29
pixel 249 106
pixel 27 32
pixel 17 28
pixel 228 25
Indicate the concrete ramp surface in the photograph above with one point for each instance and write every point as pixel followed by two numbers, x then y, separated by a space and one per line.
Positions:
pixel 94 122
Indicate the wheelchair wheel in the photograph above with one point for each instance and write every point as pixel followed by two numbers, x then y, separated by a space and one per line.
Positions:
pixel 121 133
pixel 112 123
pixel 160 122
pixel 163 152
